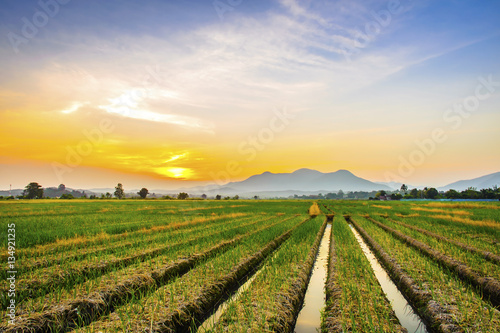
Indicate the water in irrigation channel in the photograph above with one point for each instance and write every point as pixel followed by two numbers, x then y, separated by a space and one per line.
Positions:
pixel 409 319
pixel 212 320
pixel 309 319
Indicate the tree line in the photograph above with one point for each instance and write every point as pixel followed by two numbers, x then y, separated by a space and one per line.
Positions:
pixel 470 193
pixel 35 191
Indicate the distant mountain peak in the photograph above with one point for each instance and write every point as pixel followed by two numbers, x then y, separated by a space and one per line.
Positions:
pixel 305 180
pixel 486 181
pixel 305 170
pixel 344 171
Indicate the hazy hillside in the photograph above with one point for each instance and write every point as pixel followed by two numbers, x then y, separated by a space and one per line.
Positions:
pixel 487 181
pixel 302 180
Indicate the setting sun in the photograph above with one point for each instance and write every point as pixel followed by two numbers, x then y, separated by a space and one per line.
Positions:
pixel 193 93
pixel 174 172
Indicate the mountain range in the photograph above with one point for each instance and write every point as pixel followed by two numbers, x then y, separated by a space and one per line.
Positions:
pixel 307 181
pixel 487 181
pixel 300 182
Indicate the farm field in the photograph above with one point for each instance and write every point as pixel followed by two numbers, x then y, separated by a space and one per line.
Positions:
pixel 166 266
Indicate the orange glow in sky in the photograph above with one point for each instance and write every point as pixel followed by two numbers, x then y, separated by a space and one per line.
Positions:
pixel 171 95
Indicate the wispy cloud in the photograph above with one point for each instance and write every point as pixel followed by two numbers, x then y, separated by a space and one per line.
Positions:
pixel 131 104
pixel 74 107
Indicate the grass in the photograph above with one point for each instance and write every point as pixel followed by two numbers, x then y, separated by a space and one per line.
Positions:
pixel 186 289
pixel 474 260
pixel 73 250
pixel 359 304
pixel 63 294
pixel 457 297
pixel 68 220
pixel 259 309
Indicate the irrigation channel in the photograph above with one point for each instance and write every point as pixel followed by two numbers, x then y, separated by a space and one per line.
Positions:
pixel 210 322
pixel 407 317
pixel 309 319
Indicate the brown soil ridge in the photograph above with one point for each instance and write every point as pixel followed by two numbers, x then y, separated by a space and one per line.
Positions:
pixel 86 310
pixel 43 249
pixel 333 311
pixel 327 208
pixel 485 254
pixel 489 287
pixel 39 287
pixel 290 301
pixel 196 311
pixel 50 261
pixel 431 312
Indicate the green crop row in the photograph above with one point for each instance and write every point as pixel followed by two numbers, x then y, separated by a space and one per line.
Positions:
pixel 258 308
pixel 356 302
pixel 123 246
pixel 66 275
pixel 158 309
pixel 475 261
pixel 456 298
pixel 62 294
pixel 45 221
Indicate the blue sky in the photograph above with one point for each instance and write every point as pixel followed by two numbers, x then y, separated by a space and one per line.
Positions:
pixel 365 80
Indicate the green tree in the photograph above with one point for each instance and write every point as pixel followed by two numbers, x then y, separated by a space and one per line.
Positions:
pixel 471 193
pixel 414 193
pixel 218 197
pixel 143 193
pixel 404 188
pixel 396 196
pixel 67 196
pixel 119 192
pixel 452 194
pixel 33 190
pixel 431 193
pixel 182 196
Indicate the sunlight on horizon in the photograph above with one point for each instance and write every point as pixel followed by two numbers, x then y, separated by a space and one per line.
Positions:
pixel 175 172
pixel 268 86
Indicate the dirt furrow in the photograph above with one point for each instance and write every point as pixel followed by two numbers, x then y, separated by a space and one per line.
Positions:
pixel 429 310
pixel 290 301
pixel 485 254
pixel 83 311
pixel 488 286
pixel 202 306
pixel 333 293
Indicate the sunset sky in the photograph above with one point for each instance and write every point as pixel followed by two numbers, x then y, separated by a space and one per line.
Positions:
pixel 165 94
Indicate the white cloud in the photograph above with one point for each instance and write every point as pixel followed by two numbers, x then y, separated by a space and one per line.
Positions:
pixel 74 107
pixel 131 104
